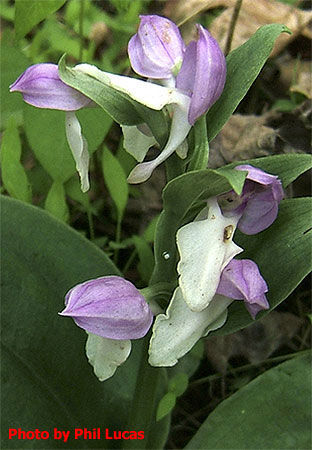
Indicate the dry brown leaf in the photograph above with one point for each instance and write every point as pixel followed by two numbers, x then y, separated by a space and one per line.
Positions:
pixel 253 15
pixel 243 137
pixel 255 343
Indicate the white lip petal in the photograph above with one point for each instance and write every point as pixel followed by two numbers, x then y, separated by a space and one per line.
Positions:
pixel 135 142
pixel 106 355
pixel 79 148
pixel 180 128
pixel 177 331
pixel 205 248
pixel 151 95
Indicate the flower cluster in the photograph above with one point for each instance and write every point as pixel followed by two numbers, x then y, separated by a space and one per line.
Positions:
pixel 186 80
pixel 210 280
pixel 192 79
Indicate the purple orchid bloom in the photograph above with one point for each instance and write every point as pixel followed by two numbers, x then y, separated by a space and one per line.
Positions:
pixel 156 50
pixel 258 203
pixel 241 280
pixel 110 307
pixel 42 87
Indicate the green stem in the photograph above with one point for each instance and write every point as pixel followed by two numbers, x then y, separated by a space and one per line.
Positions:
pixel 90 222
pixel 249 366
pixel 201 146
pixel 81 14
pixel 117 239
pixel 142 414
pixel 129 261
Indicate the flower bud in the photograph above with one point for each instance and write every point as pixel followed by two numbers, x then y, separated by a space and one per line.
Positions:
pixel 110 307
pixel 258 203
pixel 156 50
pixel 42 87
pixel 202 75
pixel 241 280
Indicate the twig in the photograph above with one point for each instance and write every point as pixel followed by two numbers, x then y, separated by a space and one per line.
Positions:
pixel 235 14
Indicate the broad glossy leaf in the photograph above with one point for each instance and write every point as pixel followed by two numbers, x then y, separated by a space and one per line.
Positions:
pixel 243 67
pixel 271 412
pixel 283 254
pixel 29 13
pixel 46 379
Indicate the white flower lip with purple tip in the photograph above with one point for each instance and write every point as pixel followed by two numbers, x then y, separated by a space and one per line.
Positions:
pixel 110 307
pixel 42 87
pixel 112 311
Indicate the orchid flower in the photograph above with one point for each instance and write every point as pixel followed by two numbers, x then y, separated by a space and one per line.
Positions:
pixel 210 278
pixel 201 77
pixel 178 330
pixel 193 79
pixel 42 87
pixel 113 312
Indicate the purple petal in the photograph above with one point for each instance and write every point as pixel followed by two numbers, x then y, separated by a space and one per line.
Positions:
pixel 110 307
pixel 157 48
pixel 260 212
pixel 42 87
pixel 242 280
pixel 261 177
pixel 261 205
pixel 202 74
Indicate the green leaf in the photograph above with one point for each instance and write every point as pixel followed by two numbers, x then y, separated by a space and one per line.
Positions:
pixel 287 167
pixel 146 257
pixel 45 374
pixel 285 243
pixel 13 173
pixel 271 412
pixel 243 66
pixel 166 405
pixel 55 202
pixel 29 13
pixel 50 145
pixel 73 190
pixel 178 384
pixel 116 181
pixel 13 62
pixel 201 146
pixel 149 232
